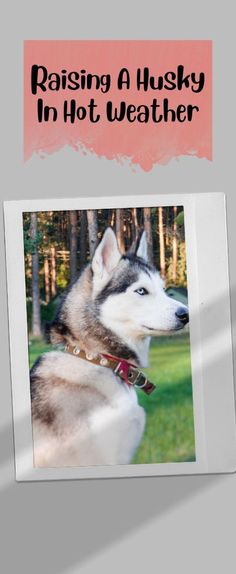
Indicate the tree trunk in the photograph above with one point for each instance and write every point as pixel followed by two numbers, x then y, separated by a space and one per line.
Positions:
pixel 134 223
pixel 46 279
pixel 127 231
pixel 82 239
pixel 112 223
pixel 167 228
pixel 148 229
pixel 120 229
pixel 93 230
pixel 36 318
pixel 161 243
pixel 53 271
pixel 73 245
pixel 175 245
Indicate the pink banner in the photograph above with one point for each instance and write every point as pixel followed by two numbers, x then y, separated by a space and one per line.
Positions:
pixel 142 101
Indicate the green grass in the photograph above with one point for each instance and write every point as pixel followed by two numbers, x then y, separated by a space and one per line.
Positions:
pixel 169 432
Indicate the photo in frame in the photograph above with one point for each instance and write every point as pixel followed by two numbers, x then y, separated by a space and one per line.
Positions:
pixel 102 279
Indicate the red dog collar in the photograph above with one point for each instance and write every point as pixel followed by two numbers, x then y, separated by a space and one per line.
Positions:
pixel 128 372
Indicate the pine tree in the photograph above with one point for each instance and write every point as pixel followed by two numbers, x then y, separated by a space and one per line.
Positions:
pixel 93 230
pixel 73 244
pixel 161 242
pixel 36 320
pixel 148 230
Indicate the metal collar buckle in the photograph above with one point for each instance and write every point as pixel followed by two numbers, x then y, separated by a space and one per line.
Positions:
pixel 136 378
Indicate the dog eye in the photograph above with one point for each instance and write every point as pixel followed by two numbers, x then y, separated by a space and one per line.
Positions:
pixel 141 291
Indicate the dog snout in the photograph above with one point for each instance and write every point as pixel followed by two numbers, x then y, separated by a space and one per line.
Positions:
pixel 183 315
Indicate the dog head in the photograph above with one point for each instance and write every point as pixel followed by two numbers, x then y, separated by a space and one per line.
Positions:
pixel 129 292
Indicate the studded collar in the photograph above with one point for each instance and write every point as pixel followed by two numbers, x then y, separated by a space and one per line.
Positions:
pixel 128 372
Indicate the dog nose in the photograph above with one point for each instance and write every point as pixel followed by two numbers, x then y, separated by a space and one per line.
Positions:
pixel 182 315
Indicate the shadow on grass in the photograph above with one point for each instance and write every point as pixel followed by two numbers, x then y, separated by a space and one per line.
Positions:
pixel 168 396
pixel 169 432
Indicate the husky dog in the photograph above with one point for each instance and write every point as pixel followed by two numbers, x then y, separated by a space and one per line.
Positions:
pixel 83 413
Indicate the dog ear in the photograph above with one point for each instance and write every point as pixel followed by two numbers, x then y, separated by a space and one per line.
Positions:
pixel 107 255
pixel 142 247
pixel 56 332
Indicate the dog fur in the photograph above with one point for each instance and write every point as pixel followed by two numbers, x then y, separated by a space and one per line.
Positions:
pixel 84 414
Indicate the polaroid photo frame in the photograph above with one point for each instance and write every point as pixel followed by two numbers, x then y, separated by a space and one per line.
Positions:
pixel 210 336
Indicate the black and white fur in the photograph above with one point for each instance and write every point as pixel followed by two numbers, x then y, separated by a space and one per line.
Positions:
pixel 84 414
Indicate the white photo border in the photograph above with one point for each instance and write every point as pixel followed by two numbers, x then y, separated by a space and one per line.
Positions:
pixel 203 214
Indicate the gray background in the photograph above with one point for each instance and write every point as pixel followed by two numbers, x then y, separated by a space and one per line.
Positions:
pixel 184 524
